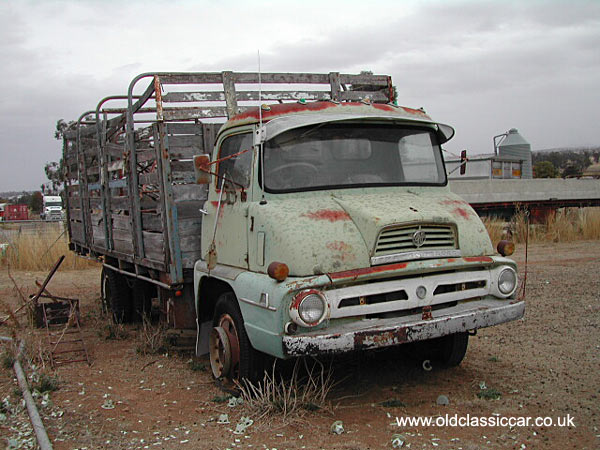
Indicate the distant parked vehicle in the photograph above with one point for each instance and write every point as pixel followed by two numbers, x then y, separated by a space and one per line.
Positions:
pixel 53 209
pixel 16 212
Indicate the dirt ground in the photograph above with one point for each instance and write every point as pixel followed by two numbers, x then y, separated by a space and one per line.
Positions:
pixel 545 365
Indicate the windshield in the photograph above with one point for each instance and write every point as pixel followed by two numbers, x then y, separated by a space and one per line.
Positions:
pixel 53 203
pixel 349 155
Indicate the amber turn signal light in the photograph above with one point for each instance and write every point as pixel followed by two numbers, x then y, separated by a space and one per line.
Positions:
pixel 278 271
pixel 506 248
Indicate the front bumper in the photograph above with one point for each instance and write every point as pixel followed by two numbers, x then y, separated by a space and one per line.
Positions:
pixel 375 333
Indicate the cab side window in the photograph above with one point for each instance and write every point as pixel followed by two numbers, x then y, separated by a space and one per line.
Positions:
pixel 237 168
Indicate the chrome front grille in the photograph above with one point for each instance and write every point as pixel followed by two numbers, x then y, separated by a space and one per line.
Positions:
pixel 421 241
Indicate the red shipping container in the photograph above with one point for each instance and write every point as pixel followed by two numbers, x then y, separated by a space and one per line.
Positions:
pixel 16 212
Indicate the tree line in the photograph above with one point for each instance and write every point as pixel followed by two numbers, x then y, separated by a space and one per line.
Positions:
pixel 564 163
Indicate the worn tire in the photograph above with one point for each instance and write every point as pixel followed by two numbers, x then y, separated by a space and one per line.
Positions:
pixel 141 296
pixel 117 295
pixel 251 362
pixel 453 349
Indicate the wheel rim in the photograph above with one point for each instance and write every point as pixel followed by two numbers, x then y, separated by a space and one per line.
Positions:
pixel 105 292
pixel 225 348
pixel 220 352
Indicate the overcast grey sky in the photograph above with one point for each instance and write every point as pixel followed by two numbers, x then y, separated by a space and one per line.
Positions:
pixel 483 67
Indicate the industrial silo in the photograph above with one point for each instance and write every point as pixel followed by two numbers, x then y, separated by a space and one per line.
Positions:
pixel 516 147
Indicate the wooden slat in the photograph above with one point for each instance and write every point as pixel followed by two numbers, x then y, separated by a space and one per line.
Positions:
pixel 146 155
pixel 148 178
pixel 194 113
pixel 122 235
pixel 374 96
pixel 119 203
pixel 98 232
pixel 190 258
pixel 77 231
pixel 96 219
pixel 187 210
pixel 187 192
pixel 95 203
pixel 100 242
pixel 184 152
pixel 123 246
pixel 219 96
pixel 115 150
pixel 182 166
pixel 190 243
pixel 184 177
pixel 115 165
pixel 152 222
pixel 121 222
pixel 184 128
pixel 154 245
pixel 185 141
pixel 75 214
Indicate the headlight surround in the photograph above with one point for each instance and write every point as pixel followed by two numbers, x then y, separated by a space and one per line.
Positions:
pixel 308 308
pixel 507 281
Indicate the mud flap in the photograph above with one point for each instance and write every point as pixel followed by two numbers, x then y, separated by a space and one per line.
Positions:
pixel 202 336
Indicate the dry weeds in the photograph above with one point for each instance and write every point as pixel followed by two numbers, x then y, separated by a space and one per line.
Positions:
pixel 40 251
pixel 305 390
pixel 567 225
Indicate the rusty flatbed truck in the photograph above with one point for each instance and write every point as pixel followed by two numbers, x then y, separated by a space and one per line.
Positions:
pixel 319 223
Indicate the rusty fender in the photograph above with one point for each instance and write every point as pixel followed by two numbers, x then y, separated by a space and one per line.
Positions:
pixel 376 333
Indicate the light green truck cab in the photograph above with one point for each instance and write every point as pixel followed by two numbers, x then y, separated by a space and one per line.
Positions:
pixel 329 227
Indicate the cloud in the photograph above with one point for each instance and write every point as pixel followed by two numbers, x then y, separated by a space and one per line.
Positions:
pixel 481 66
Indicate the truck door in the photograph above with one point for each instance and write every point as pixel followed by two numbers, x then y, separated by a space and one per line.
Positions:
pixel 235 158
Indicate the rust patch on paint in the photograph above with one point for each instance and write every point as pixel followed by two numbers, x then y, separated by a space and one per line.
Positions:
pixel 462 212
pixel 379 338
pixel 416 112
pixel 331 215
pixel 484 259
pixel 343 251
pixel 355 273
pixel 384 107
pixel 453 202
pixel 285 108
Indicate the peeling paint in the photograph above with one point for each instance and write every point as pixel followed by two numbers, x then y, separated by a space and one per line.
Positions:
pixel 331 215
pixel 341 250
pixel 462 212
pixel 355 273
pixel 482 259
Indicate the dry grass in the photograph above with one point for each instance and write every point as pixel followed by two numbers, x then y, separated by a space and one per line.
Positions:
pixel 288 397
pixel 39 251
pixel 567 225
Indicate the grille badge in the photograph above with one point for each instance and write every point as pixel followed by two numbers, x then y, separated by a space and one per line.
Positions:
pixel 418 238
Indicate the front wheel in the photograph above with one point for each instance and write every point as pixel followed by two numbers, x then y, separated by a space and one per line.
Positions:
pixel 454 349
pixel 231 354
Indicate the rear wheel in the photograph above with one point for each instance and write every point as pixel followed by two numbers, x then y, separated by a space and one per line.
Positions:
pixel 116 295
pixel 141 295
pixel 231 354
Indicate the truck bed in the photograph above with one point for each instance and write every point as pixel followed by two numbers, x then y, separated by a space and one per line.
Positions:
pixel 130 190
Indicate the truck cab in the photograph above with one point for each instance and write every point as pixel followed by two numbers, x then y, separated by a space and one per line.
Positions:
pixel 333 226
pixel 52 208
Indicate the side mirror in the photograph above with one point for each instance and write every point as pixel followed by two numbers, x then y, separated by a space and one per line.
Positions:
pixel 202 169
pixel 463 162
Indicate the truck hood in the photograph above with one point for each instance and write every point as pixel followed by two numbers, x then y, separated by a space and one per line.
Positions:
pixel 338 232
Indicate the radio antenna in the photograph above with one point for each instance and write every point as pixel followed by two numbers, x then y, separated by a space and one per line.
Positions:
pixel 263 201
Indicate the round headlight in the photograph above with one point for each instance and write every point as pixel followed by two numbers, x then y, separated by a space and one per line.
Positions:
pixel 309 308
pixel 507 281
